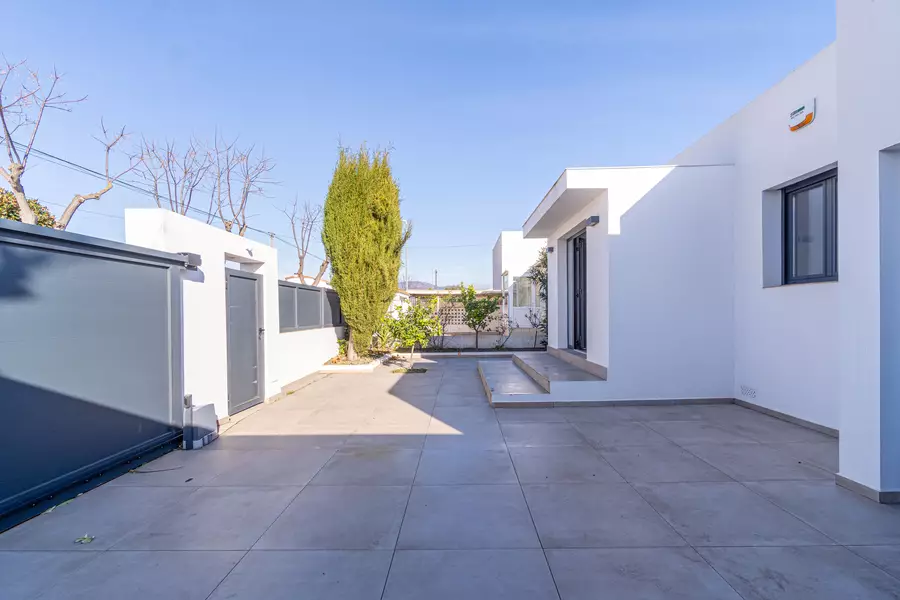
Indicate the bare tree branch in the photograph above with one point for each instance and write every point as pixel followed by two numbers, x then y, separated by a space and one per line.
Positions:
pixel 109 144
pixel 25 109
pixel 242 170
pixel 322 268
pixel 303 224
pixel 182 173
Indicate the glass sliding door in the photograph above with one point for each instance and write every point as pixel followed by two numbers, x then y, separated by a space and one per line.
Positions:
pixel 578 292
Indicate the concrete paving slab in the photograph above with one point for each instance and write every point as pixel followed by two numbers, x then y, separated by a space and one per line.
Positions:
pixel 455 574
pixel 660 464
pixel 369 466
pixel 816 573
pixel 457 467
pixel 842 515
pixel 726 514
pixel 316 574
pixel 339 518
pixel 562 464
pixel 467 516
pixel 637 573
pixel 596 516
pixel 146 576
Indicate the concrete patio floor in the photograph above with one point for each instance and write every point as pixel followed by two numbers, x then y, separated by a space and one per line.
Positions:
pixel 411 487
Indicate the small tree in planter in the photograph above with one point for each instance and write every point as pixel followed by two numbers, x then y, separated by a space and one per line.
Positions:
pixel 504 331
pixel 538 274
pixel 478 310
pixel 415 324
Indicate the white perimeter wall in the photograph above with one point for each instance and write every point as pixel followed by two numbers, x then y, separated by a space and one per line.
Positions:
pixel 288 356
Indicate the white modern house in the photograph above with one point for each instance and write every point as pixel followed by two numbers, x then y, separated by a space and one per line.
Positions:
pixel 513 255
pixel 761 264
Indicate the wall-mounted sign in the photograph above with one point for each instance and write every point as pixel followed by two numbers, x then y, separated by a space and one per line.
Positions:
pixel 803 115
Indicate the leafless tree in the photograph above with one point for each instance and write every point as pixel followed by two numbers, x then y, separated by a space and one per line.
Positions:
pixel 322 268
pixel 304 222
pixel 25 97
pixel 109 141
pixel 175 176
pixel 239 175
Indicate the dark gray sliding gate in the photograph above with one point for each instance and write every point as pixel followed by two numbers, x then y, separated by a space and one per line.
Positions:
pixel 90 357
pixel 245 333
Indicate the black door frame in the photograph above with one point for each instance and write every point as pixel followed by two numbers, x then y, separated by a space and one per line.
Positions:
pixel 577 290
pixel 234 408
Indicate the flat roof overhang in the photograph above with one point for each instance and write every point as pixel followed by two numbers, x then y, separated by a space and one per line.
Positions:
pixel 576 188
pixel 572 192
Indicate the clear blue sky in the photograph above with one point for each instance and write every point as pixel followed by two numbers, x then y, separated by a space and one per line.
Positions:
pixel 484 103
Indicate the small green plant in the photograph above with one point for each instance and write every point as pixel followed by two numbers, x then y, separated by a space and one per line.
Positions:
pixel 415 324
pixel 478 311
pixel 342 347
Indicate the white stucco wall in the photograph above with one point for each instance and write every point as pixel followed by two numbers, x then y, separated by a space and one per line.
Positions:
pixel 785 340
pixel 868 356
pixel 287 356
pixel 659 301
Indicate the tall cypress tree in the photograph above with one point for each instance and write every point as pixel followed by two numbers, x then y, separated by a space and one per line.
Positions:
pixel 363 235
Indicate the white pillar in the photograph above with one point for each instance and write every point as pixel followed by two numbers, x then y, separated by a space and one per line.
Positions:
pixel 868 80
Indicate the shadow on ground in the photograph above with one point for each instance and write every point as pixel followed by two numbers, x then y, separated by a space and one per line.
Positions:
pixel 411 486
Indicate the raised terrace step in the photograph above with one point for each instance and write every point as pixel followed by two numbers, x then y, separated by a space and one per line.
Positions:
pixel 507 385
pixel 546 370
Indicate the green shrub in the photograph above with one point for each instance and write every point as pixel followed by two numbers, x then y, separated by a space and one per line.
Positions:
pixel 9 209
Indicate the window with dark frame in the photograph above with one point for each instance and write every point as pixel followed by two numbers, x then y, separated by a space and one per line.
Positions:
pixel 810 230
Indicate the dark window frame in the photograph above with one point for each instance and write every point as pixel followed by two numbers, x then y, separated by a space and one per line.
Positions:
pixel 829 234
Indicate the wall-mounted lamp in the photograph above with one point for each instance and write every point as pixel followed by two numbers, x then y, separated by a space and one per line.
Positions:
pixel 591 221
pixel 550 249
pixel 191 260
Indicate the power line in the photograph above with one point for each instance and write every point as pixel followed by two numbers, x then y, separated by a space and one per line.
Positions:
pixel 59 161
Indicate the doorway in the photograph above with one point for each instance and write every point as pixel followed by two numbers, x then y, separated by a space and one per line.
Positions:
pixel 578 288
pixel 245 339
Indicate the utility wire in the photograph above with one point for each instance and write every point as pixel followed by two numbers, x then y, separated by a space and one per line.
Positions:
pixel 131 185
pixel 59 161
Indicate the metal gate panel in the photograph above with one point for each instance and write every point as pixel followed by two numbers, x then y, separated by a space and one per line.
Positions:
pixel 245 332
pixel 90 357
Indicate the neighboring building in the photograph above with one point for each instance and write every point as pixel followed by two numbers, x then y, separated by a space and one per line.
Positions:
pixel 762 263
pixel 513 255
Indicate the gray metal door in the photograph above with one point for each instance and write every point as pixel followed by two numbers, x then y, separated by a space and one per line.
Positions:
pixel 245 333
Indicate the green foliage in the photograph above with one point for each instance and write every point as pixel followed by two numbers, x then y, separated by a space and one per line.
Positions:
pixel 342 347
pixel 415 324
pixel 363 235
pixel 478 311
pixel 9 209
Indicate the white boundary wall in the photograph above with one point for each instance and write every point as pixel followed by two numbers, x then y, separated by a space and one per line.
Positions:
pixel 288 356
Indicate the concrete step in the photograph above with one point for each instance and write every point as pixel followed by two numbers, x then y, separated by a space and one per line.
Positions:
pixel 507 385
pixel 546 369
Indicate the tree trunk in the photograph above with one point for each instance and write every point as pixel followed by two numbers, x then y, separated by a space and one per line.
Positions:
pixel 351 349
pixel 26 215
pixel 476 339
pixel 411 350
pixel 321 272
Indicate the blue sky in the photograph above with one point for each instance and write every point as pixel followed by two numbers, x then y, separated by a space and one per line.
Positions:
pixel 484 103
